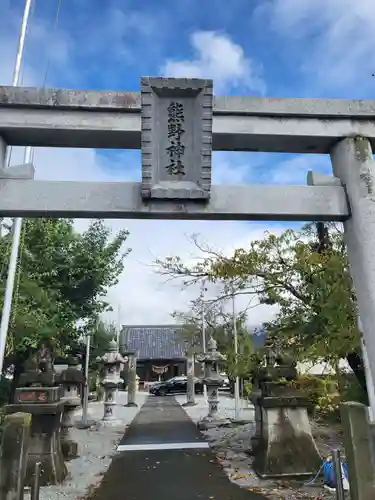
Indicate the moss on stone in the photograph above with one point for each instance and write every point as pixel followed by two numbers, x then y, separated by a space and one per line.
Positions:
pixel 20 418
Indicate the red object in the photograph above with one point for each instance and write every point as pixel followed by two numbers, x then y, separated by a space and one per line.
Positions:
pixel 27 396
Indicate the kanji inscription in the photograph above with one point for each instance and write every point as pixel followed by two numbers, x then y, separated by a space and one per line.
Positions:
pixel 176 148
pixel 176 140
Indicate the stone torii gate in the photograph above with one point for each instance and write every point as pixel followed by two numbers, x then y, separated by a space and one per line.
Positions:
pixel 177 123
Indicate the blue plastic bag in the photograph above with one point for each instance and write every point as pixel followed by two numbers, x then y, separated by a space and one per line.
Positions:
pixel 329 478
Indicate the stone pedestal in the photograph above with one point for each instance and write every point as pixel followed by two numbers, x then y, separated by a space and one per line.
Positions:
pixel 110 402
pixel 112 362
pixel 40 395
pixel 44 404
pixel 71 379
pixel 283 442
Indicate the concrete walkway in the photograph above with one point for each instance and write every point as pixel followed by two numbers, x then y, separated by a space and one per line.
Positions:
pixel 162 455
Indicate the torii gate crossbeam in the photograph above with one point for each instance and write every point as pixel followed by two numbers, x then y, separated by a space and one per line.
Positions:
pixel 177 123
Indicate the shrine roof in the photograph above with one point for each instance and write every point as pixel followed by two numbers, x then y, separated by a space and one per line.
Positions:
pixel 153 341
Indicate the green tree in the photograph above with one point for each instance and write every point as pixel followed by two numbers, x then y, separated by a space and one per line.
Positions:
pixel 219 325
pixel 62 279
pixel 102 335
pixel 316 314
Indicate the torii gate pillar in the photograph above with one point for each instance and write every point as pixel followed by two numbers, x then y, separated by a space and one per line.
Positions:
pixel 353 163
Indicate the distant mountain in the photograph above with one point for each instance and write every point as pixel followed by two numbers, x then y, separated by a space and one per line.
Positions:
pixel 259 336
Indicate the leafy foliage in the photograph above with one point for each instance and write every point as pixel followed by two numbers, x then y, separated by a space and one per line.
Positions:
pixel 63 277
pixel 219 325
pixel 102 335
pixel 311 291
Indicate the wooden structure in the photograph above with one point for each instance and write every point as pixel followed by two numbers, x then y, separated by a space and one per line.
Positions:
pixel 160 350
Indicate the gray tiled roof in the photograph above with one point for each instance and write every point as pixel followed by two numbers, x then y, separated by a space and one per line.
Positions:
pixel 153 341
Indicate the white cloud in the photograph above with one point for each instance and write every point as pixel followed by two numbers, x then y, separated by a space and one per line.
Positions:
pixel 335 37
pixel 217 57
pixel 294 171
pixel 143 296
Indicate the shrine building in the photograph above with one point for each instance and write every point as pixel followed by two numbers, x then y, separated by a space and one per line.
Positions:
pixel 160 350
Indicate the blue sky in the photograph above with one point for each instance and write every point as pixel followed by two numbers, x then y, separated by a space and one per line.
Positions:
pixel 284 48
pixel 275 48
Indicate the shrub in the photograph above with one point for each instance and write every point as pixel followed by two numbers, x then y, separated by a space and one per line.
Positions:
pixel 313 388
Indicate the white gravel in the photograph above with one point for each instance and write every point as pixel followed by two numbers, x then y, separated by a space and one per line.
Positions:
pixel 96 445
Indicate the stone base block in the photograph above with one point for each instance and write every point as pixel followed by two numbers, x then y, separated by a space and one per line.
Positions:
pixel 286 446
pixel 189 403
pixel 131 405
pixel 69 449
pixel 45 445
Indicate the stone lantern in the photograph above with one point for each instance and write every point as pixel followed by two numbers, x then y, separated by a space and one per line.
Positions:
pixel 212 360
pixel 112 362
pixel 283 444
pixel 71 379
pixel 39 394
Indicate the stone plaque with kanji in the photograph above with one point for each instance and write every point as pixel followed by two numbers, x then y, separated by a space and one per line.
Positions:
pixel 176 138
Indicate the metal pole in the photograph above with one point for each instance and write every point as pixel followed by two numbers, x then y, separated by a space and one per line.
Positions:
pixel 203 335
pixel 17 226
pixel 35 488
pixel 9 288
pixel 118 326
pixel 19 56
pixel 237 381
pixel 336 459
pixel 86 387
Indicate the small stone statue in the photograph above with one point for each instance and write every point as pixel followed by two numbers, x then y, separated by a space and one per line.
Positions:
pixel 45 359
pixel 32 363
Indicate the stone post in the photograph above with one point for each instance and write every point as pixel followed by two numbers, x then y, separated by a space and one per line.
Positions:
pixel 190 389
pixel 358 443
pixel 353 163
pixel 112 361
pixel 212 361
pixel 40 394
pixel 132 379
pixel 71 379
pixel 15 442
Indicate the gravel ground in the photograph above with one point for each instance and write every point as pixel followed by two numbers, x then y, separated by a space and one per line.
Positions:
pixel 231 444
pixel 97 445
